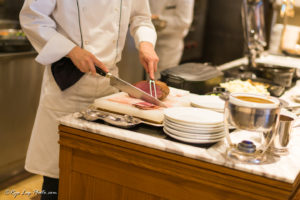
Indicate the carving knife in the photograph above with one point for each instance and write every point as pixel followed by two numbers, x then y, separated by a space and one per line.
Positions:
pixel 130 89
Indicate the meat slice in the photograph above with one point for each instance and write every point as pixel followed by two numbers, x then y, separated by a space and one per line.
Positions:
pixel 146 106
pixel 162 90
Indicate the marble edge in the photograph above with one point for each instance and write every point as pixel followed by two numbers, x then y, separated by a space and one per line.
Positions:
pixel 214 154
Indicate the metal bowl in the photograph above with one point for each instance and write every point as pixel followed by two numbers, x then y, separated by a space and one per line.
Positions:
pixel 252 116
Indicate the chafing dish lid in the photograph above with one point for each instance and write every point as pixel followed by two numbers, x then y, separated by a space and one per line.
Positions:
pixel 193 72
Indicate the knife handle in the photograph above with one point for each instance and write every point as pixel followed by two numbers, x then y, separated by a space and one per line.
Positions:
pixel 100 71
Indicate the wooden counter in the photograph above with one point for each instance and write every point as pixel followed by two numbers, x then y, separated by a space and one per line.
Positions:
pixel 94 166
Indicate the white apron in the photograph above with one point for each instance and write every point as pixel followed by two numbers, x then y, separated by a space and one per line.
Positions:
pixel 52 26
pixel 43 151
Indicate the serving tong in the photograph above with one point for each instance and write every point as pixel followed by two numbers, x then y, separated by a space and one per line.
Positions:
pixel 152 93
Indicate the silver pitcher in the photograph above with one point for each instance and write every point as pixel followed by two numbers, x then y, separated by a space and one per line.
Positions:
pixel 279 145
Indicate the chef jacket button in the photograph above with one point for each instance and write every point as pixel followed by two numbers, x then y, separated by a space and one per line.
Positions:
pixel 116 9
pixel 84 9
pixel 86 42
pixel 114 41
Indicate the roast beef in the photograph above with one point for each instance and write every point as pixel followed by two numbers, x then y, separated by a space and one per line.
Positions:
pixel 162 90
pixel 145 106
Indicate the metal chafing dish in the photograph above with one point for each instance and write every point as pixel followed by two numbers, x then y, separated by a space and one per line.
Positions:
pixel 279 75
pixel 255 114
pixel 197 78
pixel 252 116
pixel 277 79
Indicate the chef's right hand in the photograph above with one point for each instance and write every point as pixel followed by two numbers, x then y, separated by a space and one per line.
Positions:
pixel 85 61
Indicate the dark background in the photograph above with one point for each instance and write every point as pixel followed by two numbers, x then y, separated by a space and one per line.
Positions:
pixel 9 9
pixel 218 32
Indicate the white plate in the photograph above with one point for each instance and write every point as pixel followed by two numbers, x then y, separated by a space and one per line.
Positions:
pixel 195 141
pixel 193 129
pixel 208 101
pixel 195 126
pixel 195 136
pixel 196 116
pixel 192 134
pixel 192 126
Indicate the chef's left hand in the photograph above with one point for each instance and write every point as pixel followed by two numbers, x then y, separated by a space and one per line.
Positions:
pixel 148 58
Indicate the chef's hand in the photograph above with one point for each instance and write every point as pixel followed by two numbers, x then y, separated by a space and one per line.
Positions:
pixel 148 58
pixel 85 61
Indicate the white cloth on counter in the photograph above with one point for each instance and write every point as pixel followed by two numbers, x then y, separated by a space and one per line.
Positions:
pixel 53 29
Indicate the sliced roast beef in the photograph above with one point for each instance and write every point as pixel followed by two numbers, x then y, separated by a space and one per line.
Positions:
pixel 162 90
pixel 146 106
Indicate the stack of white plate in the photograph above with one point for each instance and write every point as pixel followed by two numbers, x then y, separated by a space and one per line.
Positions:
pixel 194 125
pixel 210 102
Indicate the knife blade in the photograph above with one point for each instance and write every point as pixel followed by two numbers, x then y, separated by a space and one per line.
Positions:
pixel 129 88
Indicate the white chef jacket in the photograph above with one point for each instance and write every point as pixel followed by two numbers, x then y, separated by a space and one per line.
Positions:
pixel 179 15
pixel 52 26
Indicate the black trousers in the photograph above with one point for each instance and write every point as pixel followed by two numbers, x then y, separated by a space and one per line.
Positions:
pixel 50 189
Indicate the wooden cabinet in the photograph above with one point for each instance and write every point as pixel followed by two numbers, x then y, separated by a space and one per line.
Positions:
pixel 98 167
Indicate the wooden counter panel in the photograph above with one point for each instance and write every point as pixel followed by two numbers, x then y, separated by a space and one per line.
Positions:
pixel 65 167
pixel 91 188
pixel 151 181
pixel 129 169
pixel 85 136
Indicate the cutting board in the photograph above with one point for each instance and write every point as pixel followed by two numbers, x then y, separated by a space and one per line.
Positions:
pixel 123 104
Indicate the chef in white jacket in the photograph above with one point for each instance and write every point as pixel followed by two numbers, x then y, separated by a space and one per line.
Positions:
pixel 178 15
pixel 89 32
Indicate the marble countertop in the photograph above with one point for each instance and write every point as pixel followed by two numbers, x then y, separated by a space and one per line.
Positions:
pixel 286 168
